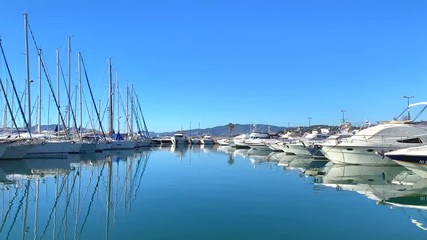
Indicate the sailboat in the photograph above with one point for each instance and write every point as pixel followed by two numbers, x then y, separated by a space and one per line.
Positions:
pixel 118 141
pixel 13 147
pixel 49 145
pixel 142 139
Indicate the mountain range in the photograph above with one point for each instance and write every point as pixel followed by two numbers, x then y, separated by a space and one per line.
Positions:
pixel 223 131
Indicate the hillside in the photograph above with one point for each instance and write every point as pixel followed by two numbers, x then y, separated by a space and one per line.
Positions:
pixel 223 131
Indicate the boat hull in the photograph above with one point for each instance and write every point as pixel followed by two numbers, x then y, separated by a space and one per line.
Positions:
pixel 360 155
pixel 53 148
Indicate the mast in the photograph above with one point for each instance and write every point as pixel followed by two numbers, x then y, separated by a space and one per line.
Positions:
pixel 27 63
pixel 127 110
pixel 15 93
pixel 118 103
pixel 110 100
pixel 8 107
pixel 93 100
pixel 81 90
pixel 5 108
pixel 131 112
pixel 69 81
pixel 39 111
pixel 57 87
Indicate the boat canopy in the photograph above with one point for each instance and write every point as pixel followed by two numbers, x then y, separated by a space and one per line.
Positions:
pixel 117 136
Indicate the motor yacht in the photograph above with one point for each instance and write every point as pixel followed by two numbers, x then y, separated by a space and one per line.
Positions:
pixel 369 145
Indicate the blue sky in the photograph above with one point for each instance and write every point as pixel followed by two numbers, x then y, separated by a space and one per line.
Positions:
pixel 215 62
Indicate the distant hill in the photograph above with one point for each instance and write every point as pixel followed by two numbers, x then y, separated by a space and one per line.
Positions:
pixel 223 131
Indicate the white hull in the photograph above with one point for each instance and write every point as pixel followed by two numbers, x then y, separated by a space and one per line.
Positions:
pixel 142 143
pixel 207 142
pixel 299 149
pixel 14 150
pixel 361 155
pixel 123 144
pixel 54 148
pixel 276 145
pixel 179 140
pixel 260 147
pixel 225 142
pixel 414 159
pixel 287 150
pixel 102 146
pixel 367 147
pixel 88 147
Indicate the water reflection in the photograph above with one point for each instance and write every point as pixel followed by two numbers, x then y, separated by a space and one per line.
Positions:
pixel 90 196
pixel 62 198
pixel 387 185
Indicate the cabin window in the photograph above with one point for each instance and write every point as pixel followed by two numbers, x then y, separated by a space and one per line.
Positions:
pixel 349 149
pixel 411 140
pixel 370 150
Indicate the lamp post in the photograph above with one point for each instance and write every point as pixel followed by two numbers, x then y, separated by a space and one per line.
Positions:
pixel 343 118
pixel 309 121
pixel 409 110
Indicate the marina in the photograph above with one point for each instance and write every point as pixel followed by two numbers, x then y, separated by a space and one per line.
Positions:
pixel 199 192
pixel 80 160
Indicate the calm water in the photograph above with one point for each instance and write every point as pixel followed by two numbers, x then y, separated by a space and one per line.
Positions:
pixel 196 193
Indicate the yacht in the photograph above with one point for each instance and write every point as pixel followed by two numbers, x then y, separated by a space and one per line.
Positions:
pixel 414 159
pixel 239 140
pixel 179 139
pixel 369 145
pixel 255 141
pixel 225 142
pixel 207 140
pixel 306 146
pixel 195 141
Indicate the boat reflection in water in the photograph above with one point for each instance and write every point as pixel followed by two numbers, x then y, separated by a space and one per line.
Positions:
pixel 389 185
pixel 61 198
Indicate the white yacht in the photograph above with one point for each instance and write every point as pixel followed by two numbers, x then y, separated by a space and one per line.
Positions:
pixel 255 141
pixel 207 140
pixel 179 139
pixel 239 140
pixel 369 145
pixel 195 140
pixel 225 142
pixel 414 159
pixel 305 145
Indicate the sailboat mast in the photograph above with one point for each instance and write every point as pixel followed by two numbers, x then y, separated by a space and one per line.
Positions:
pixel 81 91
pixel 131 112
pixel 118 101
pixel 110 100
pixel 57 87
pixel 69 82
pixel 5 108
pixel 127 110
pixel 27 63
pixel 39 112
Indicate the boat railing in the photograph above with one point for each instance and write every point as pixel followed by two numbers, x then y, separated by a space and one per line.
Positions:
pixel 385 139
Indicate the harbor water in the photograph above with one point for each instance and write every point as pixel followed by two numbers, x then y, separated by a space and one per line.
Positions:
pixel 207 193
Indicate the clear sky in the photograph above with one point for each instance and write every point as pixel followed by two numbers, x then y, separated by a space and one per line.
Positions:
pixel 208 62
